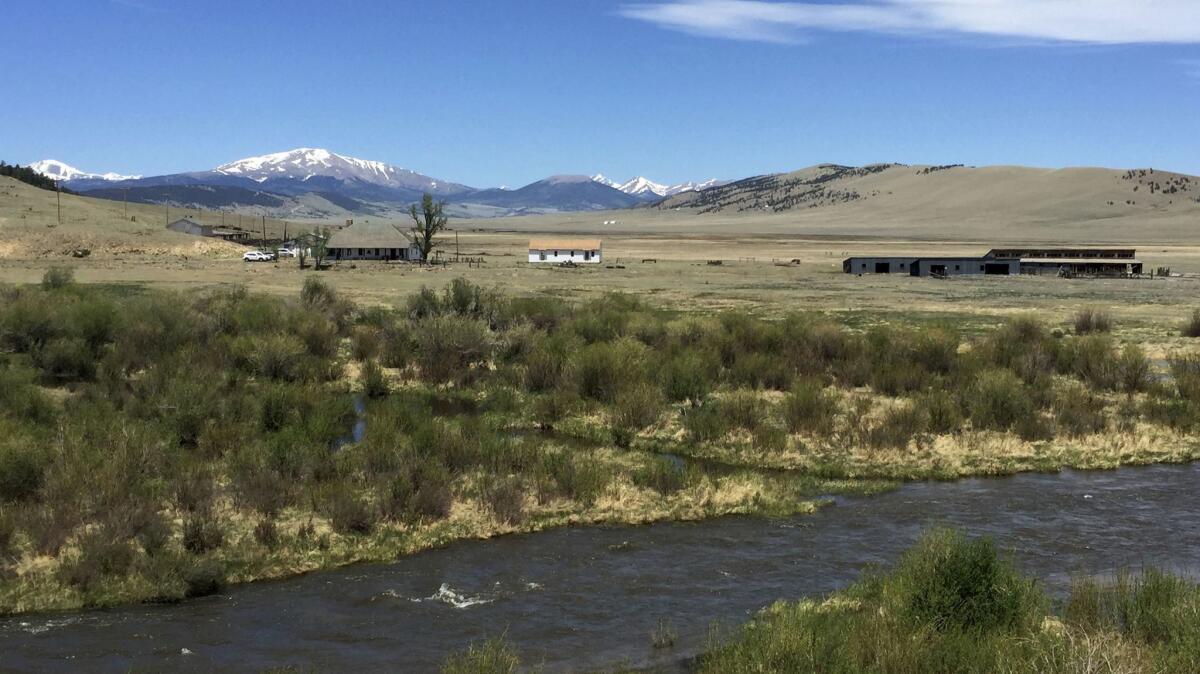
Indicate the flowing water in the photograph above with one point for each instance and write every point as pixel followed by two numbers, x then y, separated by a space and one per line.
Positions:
pixel 589 598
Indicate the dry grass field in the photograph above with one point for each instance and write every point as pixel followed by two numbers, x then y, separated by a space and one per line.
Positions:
pixel 755 251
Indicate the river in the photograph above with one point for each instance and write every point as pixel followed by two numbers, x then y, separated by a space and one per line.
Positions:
pixel 589 598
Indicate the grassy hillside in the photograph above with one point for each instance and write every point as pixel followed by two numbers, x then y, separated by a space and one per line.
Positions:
pixel 29 226
pixel 957 194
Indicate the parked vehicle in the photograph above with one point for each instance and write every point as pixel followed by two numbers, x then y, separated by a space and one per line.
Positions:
pixel 257 256
pixel 286 252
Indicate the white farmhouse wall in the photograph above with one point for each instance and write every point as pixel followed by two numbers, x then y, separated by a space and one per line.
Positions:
pixel 560 256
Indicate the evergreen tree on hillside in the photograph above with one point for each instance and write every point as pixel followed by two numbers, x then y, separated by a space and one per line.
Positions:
pixel 27 175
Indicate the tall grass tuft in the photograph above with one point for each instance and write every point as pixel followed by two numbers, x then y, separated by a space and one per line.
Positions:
pixel 1191 328
pixel 1092 320
pixel 494 656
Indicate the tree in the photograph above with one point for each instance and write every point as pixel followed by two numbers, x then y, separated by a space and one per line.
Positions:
pixel 319 239
pixel 427 223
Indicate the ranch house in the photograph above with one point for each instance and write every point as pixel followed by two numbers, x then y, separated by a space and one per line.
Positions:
pixel 371 241
pixel 577 251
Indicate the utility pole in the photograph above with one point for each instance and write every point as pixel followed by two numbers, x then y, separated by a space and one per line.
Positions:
pixel 58 197
pixel 264 228
pixel 456 245
pixel 125 201
pixel 168 213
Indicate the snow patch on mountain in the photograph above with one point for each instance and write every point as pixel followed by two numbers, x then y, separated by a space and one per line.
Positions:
pixel 305 163
pixel 641 186
pixel 57 170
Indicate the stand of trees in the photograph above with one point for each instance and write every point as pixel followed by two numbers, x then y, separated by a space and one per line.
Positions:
pixel 27 175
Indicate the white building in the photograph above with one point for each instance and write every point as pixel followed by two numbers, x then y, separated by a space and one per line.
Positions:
pixel 557 251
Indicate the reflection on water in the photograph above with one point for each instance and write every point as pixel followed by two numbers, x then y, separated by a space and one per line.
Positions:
pixel 590 597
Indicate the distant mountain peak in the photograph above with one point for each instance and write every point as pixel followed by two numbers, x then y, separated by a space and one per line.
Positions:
pixel 304 163
pixel 57 170
pixel 644 188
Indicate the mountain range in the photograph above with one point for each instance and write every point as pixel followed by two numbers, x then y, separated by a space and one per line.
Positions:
pixel 317 183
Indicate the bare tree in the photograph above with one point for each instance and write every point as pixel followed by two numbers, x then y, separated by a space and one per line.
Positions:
pixel 427 224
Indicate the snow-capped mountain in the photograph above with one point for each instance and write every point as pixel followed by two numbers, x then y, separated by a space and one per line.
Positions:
pixel 57 170
pixel 307 163
pixel 645 188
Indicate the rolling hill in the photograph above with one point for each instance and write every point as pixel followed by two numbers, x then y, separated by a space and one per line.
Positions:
pixel 902 192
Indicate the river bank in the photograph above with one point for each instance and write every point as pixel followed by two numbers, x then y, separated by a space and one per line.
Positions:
pixel 591 598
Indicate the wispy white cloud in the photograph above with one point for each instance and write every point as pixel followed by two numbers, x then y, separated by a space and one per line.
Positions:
pixel 1080 21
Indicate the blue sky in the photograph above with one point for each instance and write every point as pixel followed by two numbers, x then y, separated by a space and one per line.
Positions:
pixel 491 93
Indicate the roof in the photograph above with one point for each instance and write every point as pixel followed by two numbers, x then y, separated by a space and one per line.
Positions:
pixel 564 244
pixel 966 258
pixel 1064 252
pixel 189 221
pixel 369 235
pixel 1122 261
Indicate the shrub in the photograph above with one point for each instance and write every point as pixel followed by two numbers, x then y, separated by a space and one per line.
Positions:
pixel 491 657
pixel 810 407
pixel 396 345
pixel 266 533
pixel 705 422
pixel 942 412
pixel 1022 345
pixel 898 426
pixel 605 368
pixel 998 400
pixel 1078 411
pixel 759 370
pixel 1132 370
pixel 57 278
pixel 100 554
pixel 448 347
pixel 317 294
pixel 743 409
pixel 1092 320
pixel 463 298
pixel 21 398
pixel 952 583
pixel 547 409
pixel 1092 359
pixel 201 533
pixel 636 408
pixel 204 577
pixel 22 470
pixel 66 360
pixel 348 513
pixel 374 383
pixel 581 479
pixel 433 498
pixel 364 342
pixel 1191 328
pixel 1185 370
pixel 271 356
pixel 1153 608
pixel 506 499
pixel 1180 415
pixel 262 488
pixel 547 364
pixel 689 375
